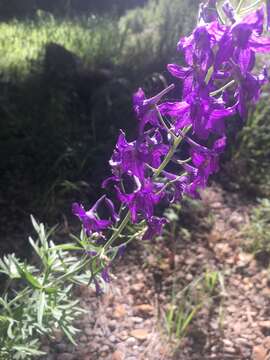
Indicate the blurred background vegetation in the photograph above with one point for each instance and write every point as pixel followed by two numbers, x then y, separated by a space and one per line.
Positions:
pixel 68 69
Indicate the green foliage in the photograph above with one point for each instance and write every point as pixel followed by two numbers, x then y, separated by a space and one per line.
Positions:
pixel 142 37
pixel 153 31
pixel 95 40
pixel 186 303
pixel 38 300
pixel 251 152
pixel 257 232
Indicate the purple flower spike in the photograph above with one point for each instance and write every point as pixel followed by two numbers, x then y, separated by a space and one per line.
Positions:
pixel 205 113
pixel 178 185
pixel 145 108
pixel 105 275
pixel 207 163
pixel 248 90
pixel 131 158
pixel 90 220
pixel 111 208
pixel 142 200
pixel 155 226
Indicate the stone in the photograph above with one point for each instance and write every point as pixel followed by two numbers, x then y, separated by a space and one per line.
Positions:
pixel 131 341
pixel 135 288
pixel 112 339
pixel 140 334
pixel 83 339
pixel 259 353
pixel 119 311
pixel 118 355
pixel 112 325
pixel 144 309
pixel 265 324
pixel 136 319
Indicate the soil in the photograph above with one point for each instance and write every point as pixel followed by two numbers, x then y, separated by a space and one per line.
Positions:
pixel 232 320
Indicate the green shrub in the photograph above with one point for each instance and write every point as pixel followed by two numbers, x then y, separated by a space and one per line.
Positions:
pixel 251 153
pixel 257 232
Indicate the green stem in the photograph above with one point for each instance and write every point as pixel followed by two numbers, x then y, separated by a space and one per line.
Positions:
pixel 241 2
pixel 172 181
pixel 250 7
pixel 164 124
pixel 213 93
pixel 118 231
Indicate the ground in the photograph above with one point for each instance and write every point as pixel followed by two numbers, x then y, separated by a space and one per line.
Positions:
pixel 232 318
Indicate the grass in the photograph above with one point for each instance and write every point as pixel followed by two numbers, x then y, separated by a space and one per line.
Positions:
pixel 257 232
pixel 23 42
pixel 140 37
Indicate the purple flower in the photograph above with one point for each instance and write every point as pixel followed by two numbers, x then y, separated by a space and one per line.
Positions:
pixel 240 42
pixel 207 162
pixel 155 226
pixel 208 12
pixel 130 158
pixel 98 288
pixel 142 200
pixel 199 55
pixel 121 250
pixel 248 89
pixel 192 188
pixel 205 113
pixel 229 11
pixel 178 184
pixel 145 108
pixel 197 48
pixel 105 274
pixel 126 159
pixel 90 220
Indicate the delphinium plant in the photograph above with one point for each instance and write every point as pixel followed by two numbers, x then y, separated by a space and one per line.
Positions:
pixel 218 81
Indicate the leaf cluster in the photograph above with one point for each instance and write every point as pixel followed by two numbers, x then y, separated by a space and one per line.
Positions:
pixel 38 299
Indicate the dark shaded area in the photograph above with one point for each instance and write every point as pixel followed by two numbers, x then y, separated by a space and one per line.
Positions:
pixel 58 130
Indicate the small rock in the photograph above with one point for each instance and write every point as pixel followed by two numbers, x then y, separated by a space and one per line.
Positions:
pixel 112 339
pixel 118 355
pixel 144 309
pixel 227 342
pixel 137 287
pixel 136 319
pixel 104 348
pixel 131 341
pixel 61 348
pixel 230 350
pixel 83 339
pixel 123 335
pixel 112 325
pixel 265 324
pixel 88 331
pixel 139 334
pixel 259 353
pixel 119 311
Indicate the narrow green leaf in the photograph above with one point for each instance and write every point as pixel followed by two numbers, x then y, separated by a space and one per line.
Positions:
pixel 41 307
